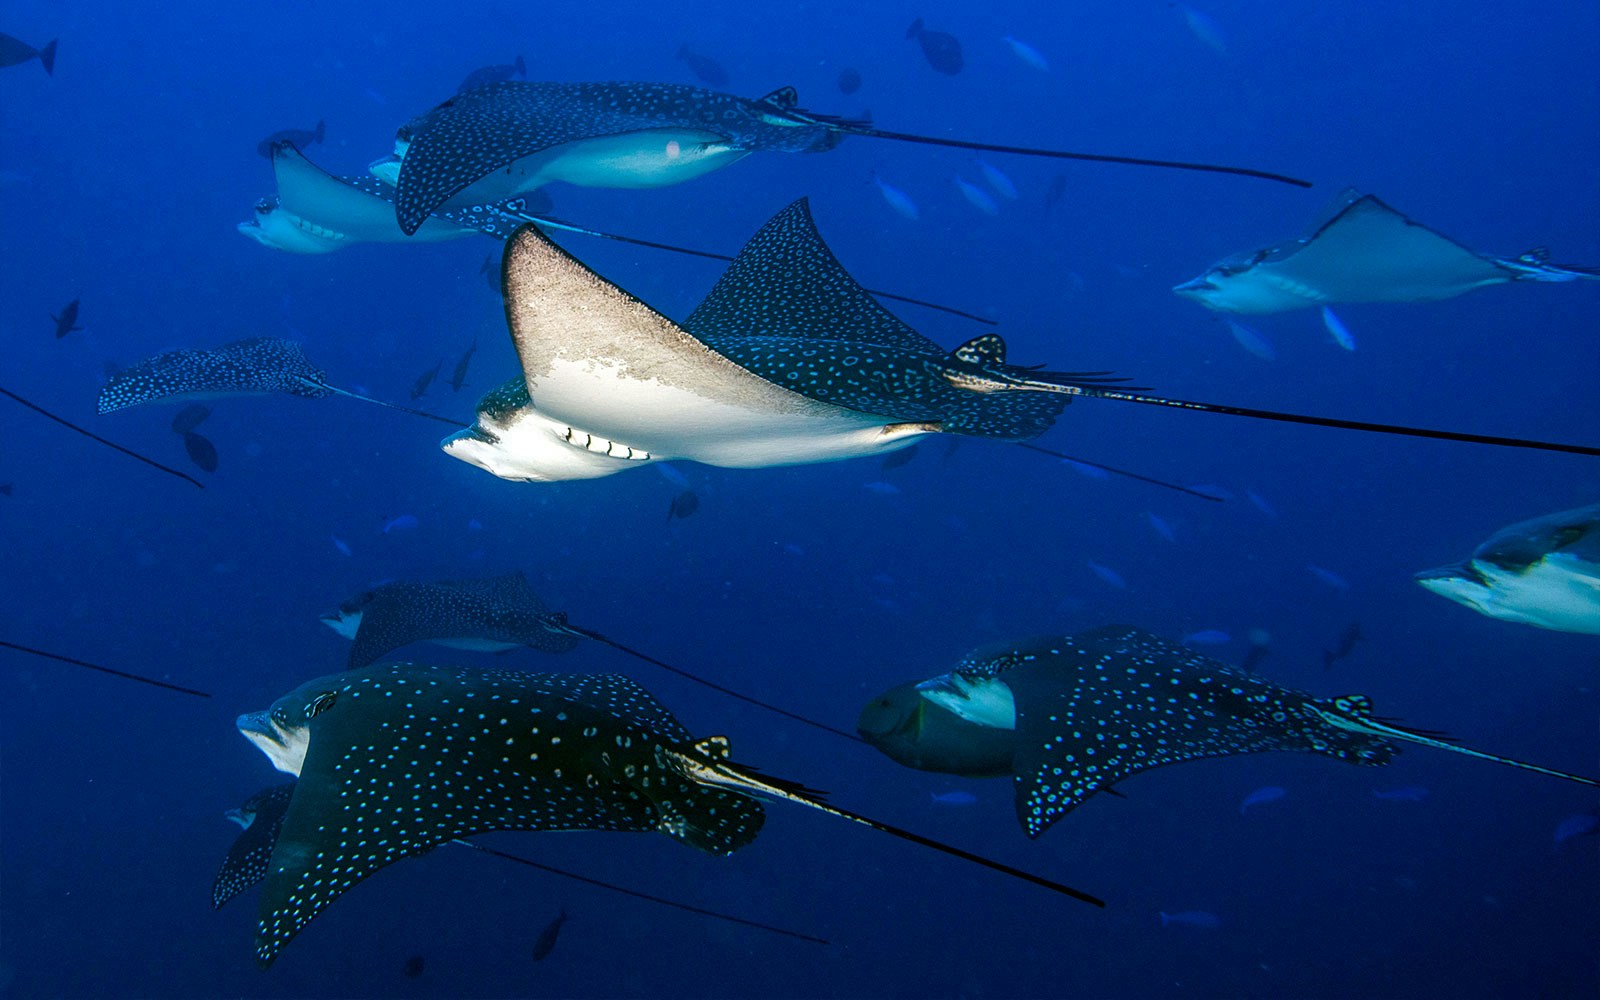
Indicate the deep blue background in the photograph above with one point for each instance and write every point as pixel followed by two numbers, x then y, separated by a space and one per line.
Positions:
pixel 121 180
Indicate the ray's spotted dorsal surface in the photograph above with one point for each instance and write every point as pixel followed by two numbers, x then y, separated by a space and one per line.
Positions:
pixel 487 614
pixel 1367 252
pixel 254 367
pixel 1081 713
pixel 484 750
pixel 507 138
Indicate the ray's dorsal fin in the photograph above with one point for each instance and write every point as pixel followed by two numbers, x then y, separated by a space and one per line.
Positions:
pixel 989 349
pixel 717 771
pixel 784 99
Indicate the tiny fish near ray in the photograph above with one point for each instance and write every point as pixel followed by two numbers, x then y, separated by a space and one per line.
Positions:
pixel 485 614
pixel 396 759
pixel 507 138
pixel 258 366
pixel 1085 712
pixel 67 321
pixel 1544 571
pixel 1367 252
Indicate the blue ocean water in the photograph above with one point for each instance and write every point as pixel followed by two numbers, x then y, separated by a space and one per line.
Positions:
pixel 123 175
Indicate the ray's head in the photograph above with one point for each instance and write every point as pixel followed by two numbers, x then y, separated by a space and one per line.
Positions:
pixel 346 619
pixel 1231 285
pixel 512 439
pixel 283 732
pixel 919 733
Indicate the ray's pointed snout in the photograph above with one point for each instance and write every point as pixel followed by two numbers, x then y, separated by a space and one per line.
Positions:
pixel 1195 288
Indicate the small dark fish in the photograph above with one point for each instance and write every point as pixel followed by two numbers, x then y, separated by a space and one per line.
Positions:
pixel 1053 193
pixel 491 271
pixel 707 69
pixel 6 489
pixel 299 138
pixel 1409 793
pixel 1260 645
pixel 545 943
pixel 1581 825
pixel 895 459
pixel 458 378
pixel 1192 918
pixel 849 80
pixel 683 505
pixel 1347 643
pixel 15 52
pixel 493 74
pixel 201 451
pixel 190 417
pixel 942 50
pixel 420 387
pixel 412 967
pixel 67 322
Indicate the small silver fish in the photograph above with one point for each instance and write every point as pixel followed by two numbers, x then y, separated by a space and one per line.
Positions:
pixel 1341 333
pixel 897 199
pixel 1107 574
pixel 1029 55
pixel 977 196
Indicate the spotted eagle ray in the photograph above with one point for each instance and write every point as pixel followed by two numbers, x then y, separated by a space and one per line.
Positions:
pixel 788 361
pixel 257 366
pixel 1544 572
pixel 317 212
pixel 1085 712
pixel 395 759
pixel 1367 252
pixel 490 615
pixel 261 820
pixel 506 138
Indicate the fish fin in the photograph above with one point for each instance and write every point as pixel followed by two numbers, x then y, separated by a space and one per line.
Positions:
pixel 708 819
pixel 784 99
pixel 47 56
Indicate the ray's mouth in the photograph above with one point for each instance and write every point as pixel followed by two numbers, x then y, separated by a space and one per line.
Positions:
pixel 1196 287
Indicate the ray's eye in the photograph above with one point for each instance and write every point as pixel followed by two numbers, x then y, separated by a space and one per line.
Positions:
pixel 321 703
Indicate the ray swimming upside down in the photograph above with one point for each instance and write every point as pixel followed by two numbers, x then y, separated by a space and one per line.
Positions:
pixel 396 759
pixel 1071 716
pixel 1367 252
pixel 787 361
